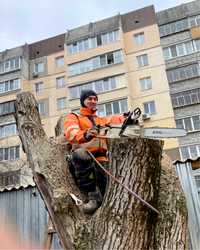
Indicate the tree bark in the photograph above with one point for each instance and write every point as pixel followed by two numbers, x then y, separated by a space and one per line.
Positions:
pixel 122 221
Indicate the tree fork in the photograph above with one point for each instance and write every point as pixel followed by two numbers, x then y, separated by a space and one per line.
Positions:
pixel 122 222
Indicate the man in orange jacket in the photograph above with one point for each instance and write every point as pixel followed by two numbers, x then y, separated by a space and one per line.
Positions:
pixel 81 130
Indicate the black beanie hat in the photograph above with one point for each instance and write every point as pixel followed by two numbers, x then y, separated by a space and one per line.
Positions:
pixel 85 94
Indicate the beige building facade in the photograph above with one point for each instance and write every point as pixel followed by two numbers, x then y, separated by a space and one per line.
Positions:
pixel 131 45
pixel 119 57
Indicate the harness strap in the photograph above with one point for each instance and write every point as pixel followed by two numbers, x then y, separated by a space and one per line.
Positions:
pixel 90 117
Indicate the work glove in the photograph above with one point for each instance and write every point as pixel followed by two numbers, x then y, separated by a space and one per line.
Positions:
pixel 126 114
pixel 130 120
pixel 90 134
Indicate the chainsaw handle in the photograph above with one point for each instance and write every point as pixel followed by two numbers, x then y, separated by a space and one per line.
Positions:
pixel 133 115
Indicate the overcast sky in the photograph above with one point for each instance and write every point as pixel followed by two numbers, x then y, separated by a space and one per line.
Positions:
pixel 33 20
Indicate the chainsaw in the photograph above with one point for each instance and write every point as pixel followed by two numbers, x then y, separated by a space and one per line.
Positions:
pixel 135 130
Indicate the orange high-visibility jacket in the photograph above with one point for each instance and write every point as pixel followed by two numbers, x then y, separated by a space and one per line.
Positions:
pixel 75 127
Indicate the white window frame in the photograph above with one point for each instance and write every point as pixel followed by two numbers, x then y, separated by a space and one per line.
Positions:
pixel 62 84
pixel 16 65
pixel 61 103
pixel 188 147
pixel 121 110
pixel 9 153
pixel 60 61
pixel 191 121
pixel 44 102
pixel 142 60
pixel 139 38
pixel 174 75
pixel 3 127
pixel 88 66
pixel 149 103
pixel 7 108
pixel 169 55
pixel 80 46
pixel 145 83
pixel 39 87
pixel 196 20
pixel 37 68
pixel 91 85
pixel 177 96
pixel 16 83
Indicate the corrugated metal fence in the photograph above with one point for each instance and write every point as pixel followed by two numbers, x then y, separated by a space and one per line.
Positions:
pixel 188 182
pixel 24 210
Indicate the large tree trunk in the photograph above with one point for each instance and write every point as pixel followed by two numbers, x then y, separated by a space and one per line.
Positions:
pixel 122 221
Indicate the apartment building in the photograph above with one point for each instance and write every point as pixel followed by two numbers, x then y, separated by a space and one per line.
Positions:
pixel 40 69
pixel 180 38
pixel 13 78
pixel 121 59
pixel 47 80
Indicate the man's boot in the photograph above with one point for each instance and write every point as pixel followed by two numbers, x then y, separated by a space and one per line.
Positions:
pixel 95 200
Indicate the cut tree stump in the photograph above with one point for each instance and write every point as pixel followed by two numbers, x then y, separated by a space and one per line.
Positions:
pixel 122 222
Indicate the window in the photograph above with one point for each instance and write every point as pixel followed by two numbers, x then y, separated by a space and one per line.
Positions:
pixel 103 60
pixel 117 56
pixel 186 98
pixel 166 53
pixel 115 107
pixel 60 62
pixel 174 27
pixel 10 85
pixel 196 122
pixel 110 58
pixel 100 86
pixel 139 38
pixel 99 40
pixel 8 130
pixel 145 83
pixel 197 45
pixel 95 63
pixel 10 154
pixel 39 87
pixel 43 107
pixel 179 124
pixel 189 47
pixel 39 67
pixel 7 108
pixel 173 51
pixel 11 178
pixel 191 151
pixel 183 73
pixel 61 103
pixel 10 65
pixel 149 108
pixel 181 49
pixel 60 82
pixel 194 21
pixel 74 92
pixel 93 42
pixel 142 60
pixel 190 124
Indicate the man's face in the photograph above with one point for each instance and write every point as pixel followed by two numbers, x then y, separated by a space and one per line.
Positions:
pixel 91 102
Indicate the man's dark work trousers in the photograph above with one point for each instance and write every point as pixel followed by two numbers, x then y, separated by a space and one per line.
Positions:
pixel 86 172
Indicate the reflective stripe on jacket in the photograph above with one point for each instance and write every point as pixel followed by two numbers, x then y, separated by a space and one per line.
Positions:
pixel 76 125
